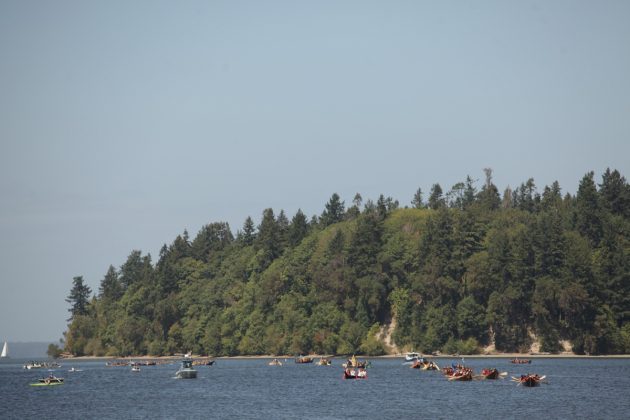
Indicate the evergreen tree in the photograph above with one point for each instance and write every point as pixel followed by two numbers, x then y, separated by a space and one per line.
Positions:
pixel 615 193
pixel 110 288
pixel 79 298
pixel 249 231
pixel 354 211
pixel 588 211
pixel 489 195
pixel 417 200
pixel 436 200
pixel 268 239
pixel 212 238
pixel 455 197
pixel 137 269
pixel 524 196
pixel 470 192
pixel 334 211
pixel 508 201
pixel 297 229
pixel 283 230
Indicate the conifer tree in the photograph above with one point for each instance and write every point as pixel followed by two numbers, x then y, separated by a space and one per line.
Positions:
pixel 79 298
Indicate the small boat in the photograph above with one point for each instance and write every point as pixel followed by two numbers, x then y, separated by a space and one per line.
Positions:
pixel 41 365
pixel 324 361
pixel 353 362
pixel 303 359
pixel 529 380
pixel 518 361
pixel 430 366
pixel 33 365
pixel 411 356
pixel 349 373
pixel 50 380
pixel 462 374
pixel 424 365
pixel 490 373
pixel 186 371
pixel 135 368
pixel 5 350
pixel 448 371
pixel 73 369
pixel 204 362
pixel 275 362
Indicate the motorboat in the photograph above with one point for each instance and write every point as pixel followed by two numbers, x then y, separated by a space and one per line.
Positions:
pixel 135 368
pixel 186 371
pixel 412 356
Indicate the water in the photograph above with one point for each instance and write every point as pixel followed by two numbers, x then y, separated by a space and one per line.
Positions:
pixel 244 389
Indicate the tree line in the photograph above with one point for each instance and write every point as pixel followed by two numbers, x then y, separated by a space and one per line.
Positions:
pixel 454 273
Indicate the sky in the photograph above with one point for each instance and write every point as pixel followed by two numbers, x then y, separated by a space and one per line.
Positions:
pixel 124 123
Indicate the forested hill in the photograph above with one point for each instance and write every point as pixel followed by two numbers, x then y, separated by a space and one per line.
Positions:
pixel 459 271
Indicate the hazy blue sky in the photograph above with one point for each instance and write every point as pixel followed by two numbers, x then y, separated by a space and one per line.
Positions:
pixel 122 123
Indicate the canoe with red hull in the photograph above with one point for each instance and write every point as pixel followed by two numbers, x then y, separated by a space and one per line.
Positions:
pixel 490 373
pixel 530 380
pixel 354 374
pixel 465 374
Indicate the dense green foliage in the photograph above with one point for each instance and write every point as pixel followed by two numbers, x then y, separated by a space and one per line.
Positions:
pixel 54 351
pixel 467 269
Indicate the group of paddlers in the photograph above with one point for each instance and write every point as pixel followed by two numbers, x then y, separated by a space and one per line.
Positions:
pixel 531 379
pixel 458 373
pixel 424 365
pixel 351 373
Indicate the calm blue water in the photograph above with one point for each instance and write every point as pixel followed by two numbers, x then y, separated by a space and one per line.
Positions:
pixel 241 389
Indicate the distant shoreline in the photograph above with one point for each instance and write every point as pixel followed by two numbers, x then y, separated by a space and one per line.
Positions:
pixel 389 356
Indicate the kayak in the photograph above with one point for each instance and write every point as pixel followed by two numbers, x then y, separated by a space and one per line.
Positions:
pixel 45 384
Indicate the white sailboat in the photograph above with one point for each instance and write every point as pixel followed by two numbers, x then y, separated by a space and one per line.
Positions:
pixel 5 350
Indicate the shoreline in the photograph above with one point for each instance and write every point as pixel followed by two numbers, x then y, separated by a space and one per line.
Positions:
pixel 388 356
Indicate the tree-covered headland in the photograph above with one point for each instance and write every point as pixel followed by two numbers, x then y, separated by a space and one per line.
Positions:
pixel 455 272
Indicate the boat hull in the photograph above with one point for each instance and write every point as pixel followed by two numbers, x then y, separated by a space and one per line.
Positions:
pixel 346 375
pixel 530 382
pixel 186 374
pixel 45 384
pixel 493 374
pixel 460 378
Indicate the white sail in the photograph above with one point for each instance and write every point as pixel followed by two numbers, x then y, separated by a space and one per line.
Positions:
pixel 5 350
